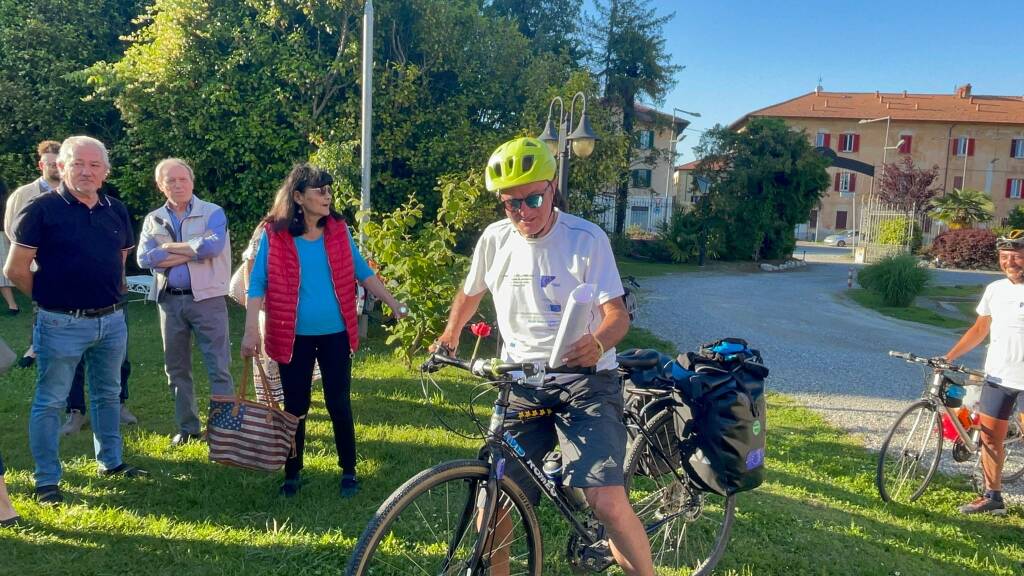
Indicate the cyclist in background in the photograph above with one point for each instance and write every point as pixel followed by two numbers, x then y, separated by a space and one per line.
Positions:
pixel 1001 315
pixel 530 262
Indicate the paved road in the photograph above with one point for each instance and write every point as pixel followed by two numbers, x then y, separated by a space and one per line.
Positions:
pixel 812 249
pixel 826 352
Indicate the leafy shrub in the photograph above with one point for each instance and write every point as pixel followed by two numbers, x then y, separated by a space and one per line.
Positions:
pixel 655 250
pixel 681 237
pixel 896 279
pixel 894 233
pixel 419 261
pixel 966 248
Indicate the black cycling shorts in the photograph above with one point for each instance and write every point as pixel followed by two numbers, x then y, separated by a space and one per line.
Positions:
pixel 998 401
pixel 584 418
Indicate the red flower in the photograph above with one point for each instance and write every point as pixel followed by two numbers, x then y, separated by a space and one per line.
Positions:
pixel 480 329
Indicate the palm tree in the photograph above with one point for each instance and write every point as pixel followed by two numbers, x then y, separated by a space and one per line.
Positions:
pixel 962 208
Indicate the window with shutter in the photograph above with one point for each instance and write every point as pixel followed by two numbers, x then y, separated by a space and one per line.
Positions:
pixel 646 139
pixel 1017 148
pixel 963 146
pixel 958 182
pixel 1014 187
pixel 640 178
pixel 845 181
pixel 905 147
pixel 846 142
pixel 840 219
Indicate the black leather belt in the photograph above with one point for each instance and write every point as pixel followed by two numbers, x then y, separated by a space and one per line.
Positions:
pixel 85 312
pixel 180 291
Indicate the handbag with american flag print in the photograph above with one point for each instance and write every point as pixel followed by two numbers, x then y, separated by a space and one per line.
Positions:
pixel 249 434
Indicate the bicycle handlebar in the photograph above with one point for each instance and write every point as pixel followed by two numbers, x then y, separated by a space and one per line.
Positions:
pixel 938 362
pixel 493 367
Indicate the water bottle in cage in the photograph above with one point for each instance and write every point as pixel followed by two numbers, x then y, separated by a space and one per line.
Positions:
pixel 553 471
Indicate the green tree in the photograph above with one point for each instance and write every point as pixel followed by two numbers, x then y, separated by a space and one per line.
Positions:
pixel 552 26
pixel 1015 219
pixel 236 87
pixel 44 44
pixel 962 208
pixel 763 182
pixel 630 58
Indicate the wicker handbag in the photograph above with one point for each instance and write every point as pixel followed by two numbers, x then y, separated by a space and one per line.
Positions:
pixel 250 434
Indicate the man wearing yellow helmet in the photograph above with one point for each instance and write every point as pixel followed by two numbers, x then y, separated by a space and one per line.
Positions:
pixel 1001 315
pixel 530 262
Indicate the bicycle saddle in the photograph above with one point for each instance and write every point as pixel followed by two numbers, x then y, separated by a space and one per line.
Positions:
pixel 639 358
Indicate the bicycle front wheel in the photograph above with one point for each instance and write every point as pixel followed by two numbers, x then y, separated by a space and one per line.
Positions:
pixel 429 526
pixel 910 453
pixel 688 528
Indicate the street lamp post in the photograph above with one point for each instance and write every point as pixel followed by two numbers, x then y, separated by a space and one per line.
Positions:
pixel 582 140
pixel 871 192
pixel 672 141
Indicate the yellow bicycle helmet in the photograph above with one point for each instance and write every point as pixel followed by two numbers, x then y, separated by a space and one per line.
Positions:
pixel 1014 240
pixel 517 162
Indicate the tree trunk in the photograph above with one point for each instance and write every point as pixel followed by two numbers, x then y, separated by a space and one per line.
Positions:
pixel 622 190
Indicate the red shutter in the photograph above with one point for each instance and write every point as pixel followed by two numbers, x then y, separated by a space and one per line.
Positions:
pixel 970 146
pixel 853 182
pixel 958 182
pixel 856 142
pixel 1013 147
pixel 905 148
pixel 836 185
pixel 952 146
pixel 828 138
pixel 1009 184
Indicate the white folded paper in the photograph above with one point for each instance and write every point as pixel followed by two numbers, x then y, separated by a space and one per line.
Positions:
pixel 575 321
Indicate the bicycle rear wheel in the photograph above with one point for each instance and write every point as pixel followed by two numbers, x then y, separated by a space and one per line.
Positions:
pixel 1013 465
pixel 688 528
pixel 910 453
pixel 429 526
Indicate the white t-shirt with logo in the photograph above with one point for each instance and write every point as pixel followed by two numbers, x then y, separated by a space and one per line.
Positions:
pixel 530 280
pixel 1004 363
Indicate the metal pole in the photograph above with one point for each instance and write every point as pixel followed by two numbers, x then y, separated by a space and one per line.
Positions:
pixel 367 116
pixel 364 161
pixel 671 154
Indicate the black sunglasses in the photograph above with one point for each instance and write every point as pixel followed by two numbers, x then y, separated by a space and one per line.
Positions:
pixel 531 201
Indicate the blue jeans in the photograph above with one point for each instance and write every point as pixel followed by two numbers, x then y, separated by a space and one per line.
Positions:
pixel 61 341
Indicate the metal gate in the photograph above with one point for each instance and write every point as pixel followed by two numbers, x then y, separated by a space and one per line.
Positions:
pixel 884 230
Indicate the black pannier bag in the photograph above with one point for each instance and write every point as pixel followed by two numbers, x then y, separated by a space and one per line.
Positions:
pixel 722 422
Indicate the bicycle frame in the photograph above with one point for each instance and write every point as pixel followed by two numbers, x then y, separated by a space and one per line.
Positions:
pixel 934 394
pixel 499 449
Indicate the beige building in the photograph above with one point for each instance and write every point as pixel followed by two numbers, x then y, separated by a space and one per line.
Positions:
pixel 651 188
pixel 976 141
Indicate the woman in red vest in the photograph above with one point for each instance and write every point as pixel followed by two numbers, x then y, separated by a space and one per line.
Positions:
pixel 304 277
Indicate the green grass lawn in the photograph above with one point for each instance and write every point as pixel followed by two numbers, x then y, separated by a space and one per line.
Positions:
pixel 972 291
pixel 818 512
pixel 869 299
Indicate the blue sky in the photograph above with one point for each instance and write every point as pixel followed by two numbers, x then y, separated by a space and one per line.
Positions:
pixel 743 55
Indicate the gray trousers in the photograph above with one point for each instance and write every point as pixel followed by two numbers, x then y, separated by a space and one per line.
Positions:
pixel 180 317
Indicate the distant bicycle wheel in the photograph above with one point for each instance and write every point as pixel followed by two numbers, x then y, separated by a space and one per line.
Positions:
pixel 689 529
pixel 1013 465
pixel 910 453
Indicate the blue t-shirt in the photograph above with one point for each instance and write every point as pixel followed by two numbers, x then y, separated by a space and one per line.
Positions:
pixel 318 310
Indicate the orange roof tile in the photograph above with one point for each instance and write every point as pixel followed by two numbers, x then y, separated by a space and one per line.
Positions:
pixel 960 108
pixel 692 165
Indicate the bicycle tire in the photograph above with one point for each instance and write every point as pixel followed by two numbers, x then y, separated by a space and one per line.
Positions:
pixel 697 537
pixel 904 450
pixel 459 480
pixel 1013 464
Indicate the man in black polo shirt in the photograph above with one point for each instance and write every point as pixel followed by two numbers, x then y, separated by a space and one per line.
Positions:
pixel 80 238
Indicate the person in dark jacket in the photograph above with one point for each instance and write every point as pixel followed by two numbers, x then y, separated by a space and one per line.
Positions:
pixel 304 278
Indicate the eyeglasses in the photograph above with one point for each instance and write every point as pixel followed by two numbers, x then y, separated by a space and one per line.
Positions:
pixel 531 201
pixel 321 191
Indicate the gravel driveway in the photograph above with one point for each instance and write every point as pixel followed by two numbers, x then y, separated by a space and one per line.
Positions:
pixel 826 352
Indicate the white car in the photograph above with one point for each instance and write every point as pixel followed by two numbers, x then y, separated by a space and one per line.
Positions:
pixel 841 239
